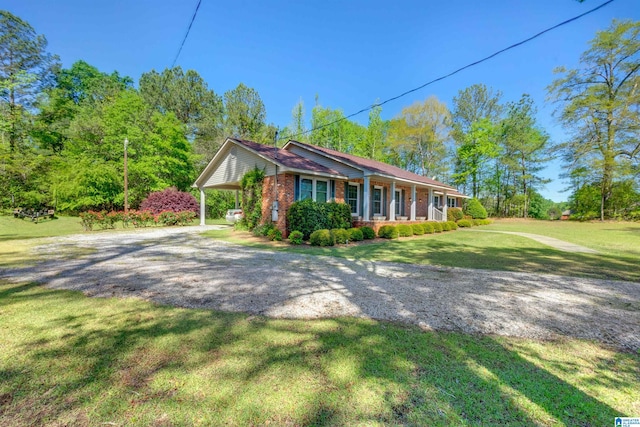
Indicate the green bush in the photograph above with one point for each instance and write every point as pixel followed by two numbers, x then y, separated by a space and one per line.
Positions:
pixel 322 237
pixel 454 214
pixel 308 216
pixel 340 235
pixel 251 185
pixel 263 230
pixel 452 225
pixel 388 232
pixel 446 226
pixel 295 237
pixel 355 234
pixel 368 233
pixel 465 223
pixel 418 229
pixel 275 235
pixel 485 221
pixel 437 227
pixel 428 227
pixel 475 209
pixel 404 230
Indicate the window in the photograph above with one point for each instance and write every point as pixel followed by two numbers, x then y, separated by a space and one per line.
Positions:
pixel 321 191
pixel 451 202
pixel 399 204
pixel 352 198
pixel 306 189
pixel 436 201
pixel 377 201
pixel 314 189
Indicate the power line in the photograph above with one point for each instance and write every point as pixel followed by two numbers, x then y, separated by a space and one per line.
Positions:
pixel 575 18
pixel 193 18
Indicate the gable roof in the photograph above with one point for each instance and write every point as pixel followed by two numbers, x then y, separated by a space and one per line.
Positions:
pixel 373 166
pixel 283 158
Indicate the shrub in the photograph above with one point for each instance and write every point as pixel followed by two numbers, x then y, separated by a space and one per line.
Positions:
pixel 308 216
pixel 475 209
pixel 340 235
pixel 454 214
pixel 167 218
pixel 368 233
pixel 88 220
pixel 388 232
pixel 141 218
pixel 338 215
pixel 251 185
pixel 437 227
pixel 418 229
pixel 452 225
pixel 275 234
pixel 485 221
pixel 446 226
pixel 263 230
pixel 185 217
pixel 355 234
pixel 475 222
pixel 404 230
pixel 295 237
pixel 428 227
pixel 169 199
pixel 464 223
pixel 321 238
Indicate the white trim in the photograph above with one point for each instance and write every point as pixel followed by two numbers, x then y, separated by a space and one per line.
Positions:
pixel 373 212
pixel 314 181
pixel 346 197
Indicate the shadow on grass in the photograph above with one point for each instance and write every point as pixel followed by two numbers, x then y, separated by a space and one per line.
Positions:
pixel 127 362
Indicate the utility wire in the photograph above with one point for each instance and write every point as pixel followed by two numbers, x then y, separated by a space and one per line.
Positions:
pixel 575 18
pixel 193 18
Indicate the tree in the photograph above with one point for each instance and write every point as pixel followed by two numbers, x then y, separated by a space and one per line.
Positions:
pixel 599 105
pixel 332 130
pixel 298 129
pixel 188 97
pixel 374 144
pixel 244 112
pixel 25 68
pixel 419 135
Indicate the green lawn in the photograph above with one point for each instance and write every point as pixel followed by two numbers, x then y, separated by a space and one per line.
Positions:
pixel 618 243
pixel 70 360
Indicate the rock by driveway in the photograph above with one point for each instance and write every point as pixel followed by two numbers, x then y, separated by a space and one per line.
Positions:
pixel 177 266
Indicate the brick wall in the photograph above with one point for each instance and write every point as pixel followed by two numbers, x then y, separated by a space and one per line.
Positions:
pixel 285 199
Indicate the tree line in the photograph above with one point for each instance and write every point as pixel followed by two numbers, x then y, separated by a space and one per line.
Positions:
pixel 62 132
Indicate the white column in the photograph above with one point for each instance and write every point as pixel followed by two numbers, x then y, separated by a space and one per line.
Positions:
pixel 430 205
pixel 444 207
pixel 237 199
pixel 202 206
pixel 413 203
pixel 365 201
pixel 392 203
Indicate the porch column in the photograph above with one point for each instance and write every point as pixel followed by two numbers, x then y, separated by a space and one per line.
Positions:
pixel 237 199
pixel 430 205
pixel 392 202
pixel 202 206
pixel 413 203
pixel 446 205
pixel 365 199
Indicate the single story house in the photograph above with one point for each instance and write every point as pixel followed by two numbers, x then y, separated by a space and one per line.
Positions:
pixel 378 193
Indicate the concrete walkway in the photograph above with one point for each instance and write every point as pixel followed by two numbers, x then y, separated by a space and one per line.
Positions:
pixel 549 241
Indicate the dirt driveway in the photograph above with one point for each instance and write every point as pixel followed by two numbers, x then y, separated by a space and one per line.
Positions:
pixel 179 267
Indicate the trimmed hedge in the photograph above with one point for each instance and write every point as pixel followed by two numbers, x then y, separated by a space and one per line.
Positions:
pixel 475 209
pixel 428 227
pixel 308 216
pixel 454 214
pixel 464 223
pixel 388 232
pixel 418 229
pixel 340 235
pixel 355 234
pixel 368 233
pixel 437 227
pixel 446 226
pixel 452 225
pixel 404 230
pixel 295 237
pixel 322 237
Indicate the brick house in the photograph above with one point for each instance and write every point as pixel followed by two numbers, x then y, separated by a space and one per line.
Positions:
pixel 378 193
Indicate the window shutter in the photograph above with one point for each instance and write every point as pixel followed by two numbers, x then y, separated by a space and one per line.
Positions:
pixel 333 190
pixel 362 199
pixel 384 201
pixel 296 188
pixel 346 191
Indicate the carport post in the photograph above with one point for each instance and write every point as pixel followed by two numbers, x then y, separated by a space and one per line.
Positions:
pixel 202 206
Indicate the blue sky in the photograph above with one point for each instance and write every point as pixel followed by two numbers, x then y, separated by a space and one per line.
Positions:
pixel 349 53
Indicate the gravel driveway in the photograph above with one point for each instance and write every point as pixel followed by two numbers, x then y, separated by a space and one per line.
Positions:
pixel 177 266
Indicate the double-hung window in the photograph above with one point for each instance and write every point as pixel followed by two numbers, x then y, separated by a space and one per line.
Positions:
pixel 314 189
pixel 399 205
pixel 377 200
pixel 451 202
pixel 353 191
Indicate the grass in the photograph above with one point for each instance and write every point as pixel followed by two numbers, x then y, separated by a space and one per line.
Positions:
pixel 618 258
pixel 70 360
pixel 20 229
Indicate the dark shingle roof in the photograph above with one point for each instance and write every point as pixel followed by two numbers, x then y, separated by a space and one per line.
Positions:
pixel 376 166
pixel 286 158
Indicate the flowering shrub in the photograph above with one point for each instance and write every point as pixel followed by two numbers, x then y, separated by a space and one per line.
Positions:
pixel 169 199
pixel 88 219
pixel 141 218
